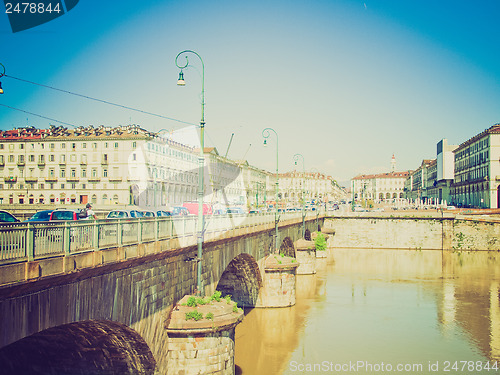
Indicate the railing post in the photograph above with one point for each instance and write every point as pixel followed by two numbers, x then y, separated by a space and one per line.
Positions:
pixel 30 242
pixel 95 231
pixel 139 230
pixel 157 227
pixel 119 232
pixel 66 238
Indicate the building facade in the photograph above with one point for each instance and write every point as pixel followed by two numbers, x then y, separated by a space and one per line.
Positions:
pixel 314 186
pixel 477 171
pixel 380 187
pixel 128 165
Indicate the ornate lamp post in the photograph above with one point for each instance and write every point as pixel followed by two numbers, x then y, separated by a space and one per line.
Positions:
pixel 296 158
pixel 266 133
pixel 201 162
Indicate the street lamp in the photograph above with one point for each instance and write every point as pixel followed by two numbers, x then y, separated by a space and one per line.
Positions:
pixel 296 158
pixel 2 73
pixel 266 133
pixel 201 162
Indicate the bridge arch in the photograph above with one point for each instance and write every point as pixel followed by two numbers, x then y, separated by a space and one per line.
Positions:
pixel 91 347
pixel 242 280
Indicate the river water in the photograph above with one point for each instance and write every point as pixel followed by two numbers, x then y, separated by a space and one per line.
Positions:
pixel 382 311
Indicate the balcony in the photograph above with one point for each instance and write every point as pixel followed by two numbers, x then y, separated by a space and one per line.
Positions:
pixel 21 163
pixel 31 179
pixel 83 162
pixel 94 179
pixel 73 179
pixel 10 179
pixel 62 162
pixel 115 179
pixel 41 163
pixel 50 179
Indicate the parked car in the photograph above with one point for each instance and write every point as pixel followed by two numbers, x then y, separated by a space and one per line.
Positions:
pixel 63 215
pixel 40 216
pixel 180 211
pixel 148 214
pixel 192 207
pixel 124 214
pixel 235 210
pixel 7 217
pixel 163 213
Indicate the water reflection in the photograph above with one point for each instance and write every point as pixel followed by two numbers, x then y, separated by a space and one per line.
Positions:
pixel 380 306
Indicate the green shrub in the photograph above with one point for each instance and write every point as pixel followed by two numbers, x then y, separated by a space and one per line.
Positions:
pixel 320 242
pixel 209 316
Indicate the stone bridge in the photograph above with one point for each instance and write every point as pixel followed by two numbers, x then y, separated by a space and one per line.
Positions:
pixel 108 307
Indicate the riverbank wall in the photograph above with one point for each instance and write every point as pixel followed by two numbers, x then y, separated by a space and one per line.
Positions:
pixel 419 233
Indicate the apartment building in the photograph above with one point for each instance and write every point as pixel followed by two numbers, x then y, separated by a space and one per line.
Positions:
pixel 477 170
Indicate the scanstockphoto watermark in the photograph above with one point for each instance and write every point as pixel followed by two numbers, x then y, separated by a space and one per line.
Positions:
pixel 457 367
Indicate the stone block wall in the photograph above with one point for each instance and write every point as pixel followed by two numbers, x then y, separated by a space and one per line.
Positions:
pixel 414 233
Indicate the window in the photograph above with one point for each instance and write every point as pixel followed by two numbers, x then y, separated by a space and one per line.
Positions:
pixel 84 173
pixel 73 173
pixel 134 144
pixel 63 145
pixel 73 146
pixel 32 158
pixel 52 145
pixel 11 158
pixel 51 157
pixel 63 173
pixel 94 145
pixel 105 173
pixel 84 145
pixel 116 144
pixel 94 172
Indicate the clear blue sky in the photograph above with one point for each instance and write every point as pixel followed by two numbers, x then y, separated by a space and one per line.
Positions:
pixel 346 83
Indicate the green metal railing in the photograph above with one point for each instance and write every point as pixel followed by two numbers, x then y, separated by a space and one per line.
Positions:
pixel 29 241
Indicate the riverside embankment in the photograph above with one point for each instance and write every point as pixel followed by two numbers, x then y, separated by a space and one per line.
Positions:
pixel 431 231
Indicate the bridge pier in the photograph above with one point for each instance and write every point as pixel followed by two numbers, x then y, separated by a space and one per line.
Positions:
pixel 279 282
pixel 305 252
pixel 203 346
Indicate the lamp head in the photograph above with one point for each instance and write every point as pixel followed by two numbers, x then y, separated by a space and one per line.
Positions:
pixel 265 142
pixel 1 90
pixel 180 81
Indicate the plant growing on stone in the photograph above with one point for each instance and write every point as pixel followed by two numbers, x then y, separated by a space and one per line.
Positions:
pixel 228 299
pixel 235 307
pixel 216 296
pixel 209 316
pixel 191 302
pixel 320 242
pixel 194 315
